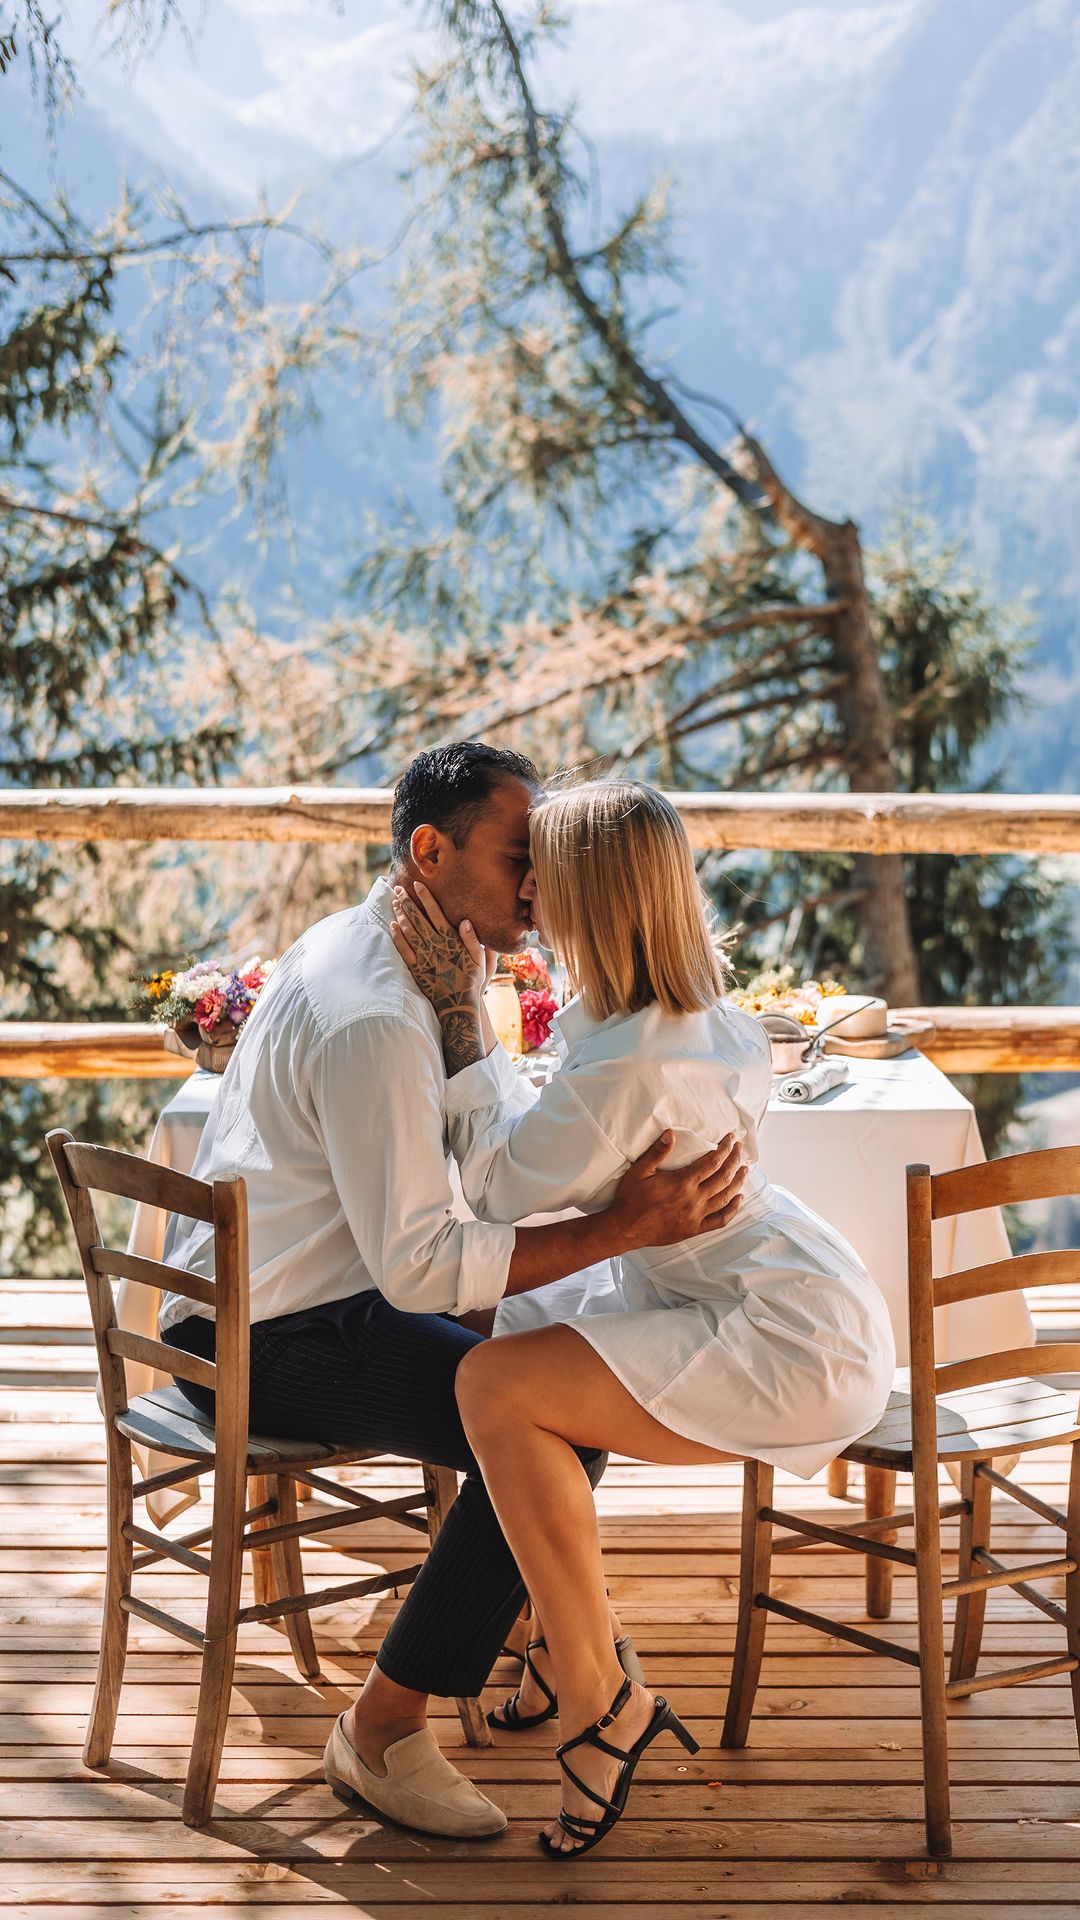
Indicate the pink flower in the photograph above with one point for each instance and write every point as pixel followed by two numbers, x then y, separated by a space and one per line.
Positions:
pixel 538 1009
pixel 255 980
pixel 209 1009
pixel 529 969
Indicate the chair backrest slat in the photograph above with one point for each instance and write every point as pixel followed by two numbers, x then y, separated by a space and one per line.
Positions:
pixel 105 1170
pixel 223 1203
pixel 1048 1174
pixel 1051 1269
pixel 156 1353
pixel 993 1183
pixel 152 1273
pixel 1011 1363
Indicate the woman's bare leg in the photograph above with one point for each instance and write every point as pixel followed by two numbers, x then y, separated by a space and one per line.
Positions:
pixel 527 1400
pixel 529 1697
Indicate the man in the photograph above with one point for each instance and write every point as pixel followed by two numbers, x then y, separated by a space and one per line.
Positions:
pixel 332 1109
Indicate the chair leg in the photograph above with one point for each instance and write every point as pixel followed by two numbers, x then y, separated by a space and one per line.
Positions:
pixel 219 1654
pixel 261 1568
pixel 288 1578
pixel 935 1742
pixel 114 1621
pixel 754 1569
pixel 880 1498
pixel 838 1479
pixel 970 1607
pixel 440 1485
pixel 1072 1580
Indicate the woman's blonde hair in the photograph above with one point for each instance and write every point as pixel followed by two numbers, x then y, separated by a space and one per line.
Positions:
pixel 622 904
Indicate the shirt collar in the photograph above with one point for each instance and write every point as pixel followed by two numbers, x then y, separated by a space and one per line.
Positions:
pixel 379 903
pixel 573 1025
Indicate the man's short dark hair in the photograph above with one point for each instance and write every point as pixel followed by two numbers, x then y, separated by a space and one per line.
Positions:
pixel 449 787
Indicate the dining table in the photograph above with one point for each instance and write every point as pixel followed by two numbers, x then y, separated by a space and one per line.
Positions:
pixel 843 1154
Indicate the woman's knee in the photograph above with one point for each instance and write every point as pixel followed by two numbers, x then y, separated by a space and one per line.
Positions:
pixel 479 1385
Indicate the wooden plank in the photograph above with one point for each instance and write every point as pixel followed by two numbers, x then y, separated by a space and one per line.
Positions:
pixel 530 1799
pixel 87 1050
pixel 892 1889
pixel 1001 1039
pixel 791 820
pixel 964 1040
pixel 805 1884
pixel 348 1836
pixel 1045 1174
pixel 821 1809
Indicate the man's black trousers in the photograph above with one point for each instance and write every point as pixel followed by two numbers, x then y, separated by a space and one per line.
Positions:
pixel 358 1373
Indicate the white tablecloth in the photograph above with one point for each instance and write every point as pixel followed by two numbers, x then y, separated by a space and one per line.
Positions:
pixel 844 1155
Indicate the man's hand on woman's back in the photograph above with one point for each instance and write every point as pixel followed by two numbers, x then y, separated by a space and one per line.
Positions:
pixel 653 1207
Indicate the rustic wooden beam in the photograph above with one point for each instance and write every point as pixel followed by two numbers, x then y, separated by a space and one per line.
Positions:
pixel 795 822
pixel 883 822
pixel 965 1040
pixel 1003 1039
pixel 327 814
pixel 87 1050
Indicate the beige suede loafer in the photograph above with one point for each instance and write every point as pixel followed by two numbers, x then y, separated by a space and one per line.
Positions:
pixel 419 1789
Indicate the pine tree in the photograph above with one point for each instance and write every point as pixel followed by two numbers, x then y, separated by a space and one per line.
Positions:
pixel 117 418
pixel 90 609
pixel 566 444
pixel 989 930
pixel 610 588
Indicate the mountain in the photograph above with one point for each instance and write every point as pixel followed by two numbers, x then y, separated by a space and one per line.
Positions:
pixel 879 218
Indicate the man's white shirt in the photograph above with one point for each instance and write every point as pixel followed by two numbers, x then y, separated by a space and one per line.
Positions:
pixel 333 1109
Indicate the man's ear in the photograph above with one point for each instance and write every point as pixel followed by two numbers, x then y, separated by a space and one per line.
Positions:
pixel 425 848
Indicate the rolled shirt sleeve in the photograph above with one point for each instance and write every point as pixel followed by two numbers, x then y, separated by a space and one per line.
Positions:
pixel 376 1087
pixel 513 1091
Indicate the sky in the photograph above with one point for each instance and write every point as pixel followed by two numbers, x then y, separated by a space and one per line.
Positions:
pixel 260 87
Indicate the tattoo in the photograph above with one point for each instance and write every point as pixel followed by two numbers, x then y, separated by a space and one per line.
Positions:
pixel 443 970
pixel 461 1039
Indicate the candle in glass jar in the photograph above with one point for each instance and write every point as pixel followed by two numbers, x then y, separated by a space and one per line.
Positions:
pixel 504 1012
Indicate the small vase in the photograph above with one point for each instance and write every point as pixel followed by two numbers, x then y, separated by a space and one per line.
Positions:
pixel 213 1054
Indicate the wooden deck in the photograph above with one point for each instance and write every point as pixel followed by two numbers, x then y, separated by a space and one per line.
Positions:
pixel 822 1808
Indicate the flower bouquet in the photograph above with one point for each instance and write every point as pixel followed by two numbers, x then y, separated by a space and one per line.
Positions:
pixel 792 1012
pixel 202 1006
pixel 777 991
pixel 806 1018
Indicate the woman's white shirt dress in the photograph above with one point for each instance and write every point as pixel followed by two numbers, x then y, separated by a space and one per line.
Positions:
pixel 766 1338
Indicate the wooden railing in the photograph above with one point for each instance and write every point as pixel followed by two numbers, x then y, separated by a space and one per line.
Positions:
pixel 967 1039
pixel 795 822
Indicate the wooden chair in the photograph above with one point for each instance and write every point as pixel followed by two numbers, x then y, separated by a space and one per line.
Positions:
pixel 967 1411
pixel 166 1421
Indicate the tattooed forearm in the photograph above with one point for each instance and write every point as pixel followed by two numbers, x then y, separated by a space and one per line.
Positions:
pixel 462 1043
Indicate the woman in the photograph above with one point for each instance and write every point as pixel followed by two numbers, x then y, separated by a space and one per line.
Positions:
pixel 766 1338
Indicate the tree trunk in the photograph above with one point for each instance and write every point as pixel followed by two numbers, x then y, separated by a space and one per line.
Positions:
pixel 888 954
pixel 889 961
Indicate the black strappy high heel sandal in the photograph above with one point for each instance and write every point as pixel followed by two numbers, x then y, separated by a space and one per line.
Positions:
pixel 517 1722
pixel 579 1827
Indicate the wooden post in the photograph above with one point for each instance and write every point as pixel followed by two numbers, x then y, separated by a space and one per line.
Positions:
pixel 880 1499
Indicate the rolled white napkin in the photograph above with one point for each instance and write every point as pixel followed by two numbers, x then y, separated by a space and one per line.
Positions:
pixel 813 1081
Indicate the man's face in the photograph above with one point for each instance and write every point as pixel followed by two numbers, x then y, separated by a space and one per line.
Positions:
pixel 487 880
